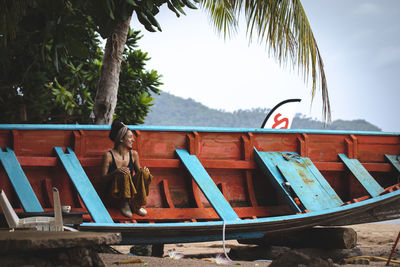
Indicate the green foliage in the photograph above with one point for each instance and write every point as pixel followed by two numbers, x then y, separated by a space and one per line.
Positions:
pixel 171 110
pixel 107 12
pixel 45 69
pixel 49 71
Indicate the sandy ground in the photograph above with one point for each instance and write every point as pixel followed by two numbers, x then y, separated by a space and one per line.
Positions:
pixel 373 240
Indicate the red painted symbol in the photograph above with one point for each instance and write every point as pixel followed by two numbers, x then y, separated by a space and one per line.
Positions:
pixel 280 121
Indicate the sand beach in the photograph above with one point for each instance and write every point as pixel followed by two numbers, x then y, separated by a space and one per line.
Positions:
pixel 373 240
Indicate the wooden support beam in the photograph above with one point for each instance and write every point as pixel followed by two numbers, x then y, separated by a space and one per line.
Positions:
pixel 362 175
pixel 16 141
pixel 79 143
pixel 197 195
pixel 303 140
pixel 394 161
pixel 47 186
pixel 194 143
pixel 207 186
pixel 351 147
pixel 250 189
pixel 247 146
pixel 19 181
pixel 317 237
pixel 83 185
pixel 222 188
pixel 165 194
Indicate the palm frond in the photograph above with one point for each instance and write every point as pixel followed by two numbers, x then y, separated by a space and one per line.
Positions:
pixel 222 15
pixel 286 31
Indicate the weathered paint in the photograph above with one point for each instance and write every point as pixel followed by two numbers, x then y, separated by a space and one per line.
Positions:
pixel 362 175
pixel 327 188
pixel 311 188
pixel 266 162
pixel 307 188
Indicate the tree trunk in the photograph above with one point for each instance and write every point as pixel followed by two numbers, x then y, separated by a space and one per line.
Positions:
pixel 107 89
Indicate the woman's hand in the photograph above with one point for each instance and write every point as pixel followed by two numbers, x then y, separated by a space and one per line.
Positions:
pixel 123 170
pixel 146 169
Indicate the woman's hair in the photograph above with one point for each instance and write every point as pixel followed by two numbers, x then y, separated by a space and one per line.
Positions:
pixel 116 126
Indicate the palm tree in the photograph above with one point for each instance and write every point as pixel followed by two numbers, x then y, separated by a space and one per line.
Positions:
pixel 107 88
pixel 284 28
pixel 281 24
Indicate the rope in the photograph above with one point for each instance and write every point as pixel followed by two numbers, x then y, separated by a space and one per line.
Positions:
pixel 291 156
pixel 372 258
pixel 223 240
pixel 226 254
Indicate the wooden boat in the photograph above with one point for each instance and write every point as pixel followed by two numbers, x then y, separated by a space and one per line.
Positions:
pixel 209 183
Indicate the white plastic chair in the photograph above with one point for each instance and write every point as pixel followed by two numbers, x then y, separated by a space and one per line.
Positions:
pixel 41 223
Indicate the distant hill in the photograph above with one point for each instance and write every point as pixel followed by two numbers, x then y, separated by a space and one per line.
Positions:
pixel 170 110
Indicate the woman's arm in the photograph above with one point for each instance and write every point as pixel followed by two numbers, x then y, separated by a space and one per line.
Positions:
pixel 105 165
pixel 135 159
pixel 136 162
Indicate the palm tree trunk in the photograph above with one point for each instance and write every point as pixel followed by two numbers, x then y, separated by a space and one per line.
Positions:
pixel 107 89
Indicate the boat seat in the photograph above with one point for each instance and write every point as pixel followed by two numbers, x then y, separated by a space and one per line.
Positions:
pixel 83 185
pixel 19 181
pixel 293 176
pixel 394 160
pixel 362 175
pixel 207 186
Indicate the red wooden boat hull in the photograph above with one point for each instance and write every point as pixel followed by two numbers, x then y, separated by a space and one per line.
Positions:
pixel 227 155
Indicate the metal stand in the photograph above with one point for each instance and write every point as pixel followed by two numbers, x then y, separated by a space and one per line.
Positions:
pixel 393 249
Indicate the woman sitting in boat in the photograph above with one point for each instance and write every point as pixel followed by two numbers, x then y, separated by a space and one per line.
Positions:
pixel 119 165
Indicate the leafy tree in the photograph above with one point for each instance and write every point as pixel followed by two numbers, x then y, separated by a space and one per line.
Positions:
pixel 43 68
pixel 49 70
pixel 282 25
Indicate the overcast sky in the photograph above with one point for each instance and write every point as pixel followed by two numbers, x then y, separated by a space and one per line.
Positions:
pixel 359 41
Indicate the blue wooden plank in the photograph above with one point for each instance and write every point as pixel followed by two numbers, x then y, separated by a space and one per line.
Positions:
pixel 314 172
pixel 85 188
pixel 311 194
pixel 207 186
pixel 266 161
pixel 304 178
pixel 19 181
pixel 394 160
pixel 362 175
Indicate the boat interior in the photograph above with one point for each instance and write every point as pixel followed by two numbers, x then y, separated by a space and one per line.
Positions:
pixel 199 174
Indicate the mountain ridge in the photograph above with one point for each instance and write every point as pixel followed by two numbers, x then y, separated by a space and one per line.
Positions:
pixel 171 110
